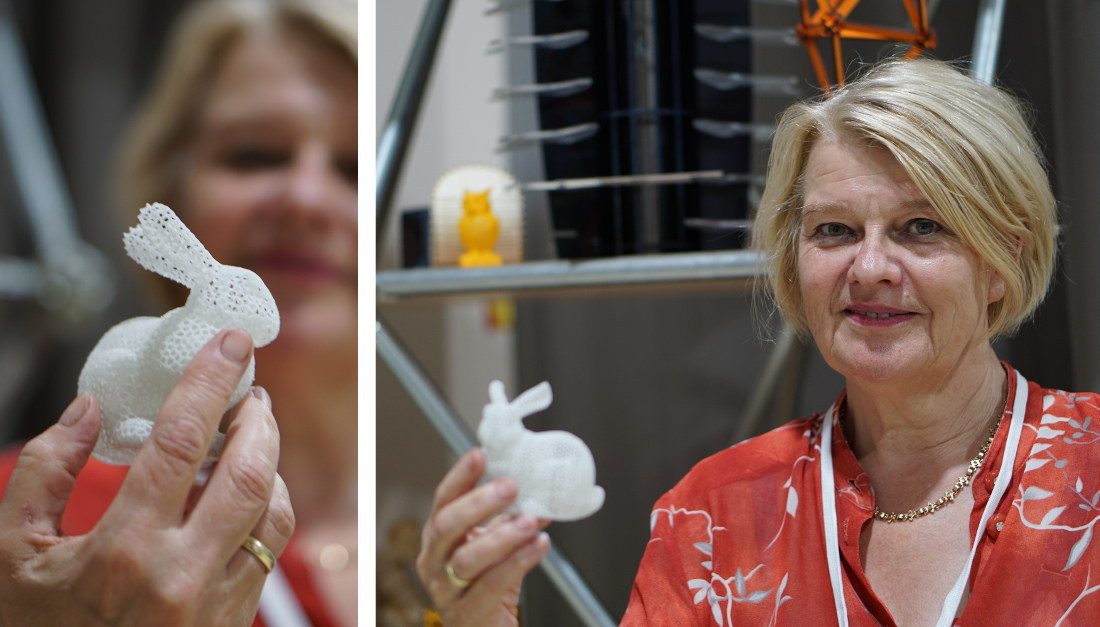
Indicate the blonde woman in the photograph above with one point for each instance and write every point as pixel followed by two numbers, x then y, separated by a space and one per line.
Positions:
pixel 249 133
pixel 908 221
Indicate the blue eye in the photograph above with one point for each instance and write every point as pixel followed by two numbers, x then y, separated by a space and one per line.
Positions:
pixel 923 226
pixel 833 229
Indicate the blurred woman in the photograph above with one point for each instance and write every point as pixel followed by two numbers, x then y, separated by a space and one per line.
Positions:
pixel 249 134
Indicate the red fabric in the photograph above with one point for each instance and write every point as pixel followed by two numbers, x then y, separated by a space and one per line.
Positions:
pixel 300 578
pixel 739 541
pixel 96 487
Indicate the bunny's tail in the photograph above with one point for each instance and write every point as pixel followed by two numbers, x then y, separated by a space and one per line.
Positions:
pixel 585 506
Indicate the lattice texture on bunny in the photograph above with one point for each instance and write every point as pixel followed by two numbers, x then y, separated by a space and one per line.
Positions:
pixel 138 361
pixel 554 470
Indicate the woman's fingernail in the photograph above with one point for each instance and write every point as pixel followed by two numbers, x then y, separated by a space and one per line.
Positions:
pixel 541 543
pixel 260 393
pixel 75 411
pixel 505 489
pixel 236 345
pixel 524 522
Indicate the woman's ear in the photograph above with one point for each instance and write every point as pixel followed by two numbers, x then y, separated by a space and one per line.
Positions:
pixel 997 282
pixel 996 287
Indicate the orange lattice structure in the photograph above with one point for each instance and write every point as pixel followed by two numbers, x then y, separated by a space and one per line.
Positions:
pixel 830 20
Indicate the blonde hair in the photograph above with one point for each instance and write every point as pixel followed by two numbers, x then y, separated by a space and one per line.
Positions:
pixel 967 148
pixel 152 152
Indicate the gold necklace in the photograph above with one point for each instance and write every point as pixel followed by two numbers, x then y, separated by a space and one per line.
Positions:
pixel 949 496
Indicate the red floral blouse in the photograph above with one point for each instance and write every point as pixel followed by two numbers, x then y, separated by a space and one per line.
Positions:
pixel 740 540
pixel 98 484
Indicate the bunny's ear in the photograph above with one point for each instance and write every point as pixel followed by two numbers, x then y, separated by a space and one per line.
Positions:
pixel 496 393
pixel 534 400
pixel 162 244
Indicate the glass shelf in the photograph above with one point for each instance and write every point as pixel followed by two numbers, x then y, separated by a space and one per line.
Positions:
pixel 629 270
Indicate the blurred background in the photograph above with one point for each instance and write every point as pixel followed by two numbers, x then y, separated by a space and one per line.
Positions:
pixel 88 64
pixel 656 379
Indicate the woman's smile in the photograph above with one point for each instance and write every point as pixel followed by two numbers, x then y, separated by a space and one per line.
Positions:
pixel 299 266
pixel 872 315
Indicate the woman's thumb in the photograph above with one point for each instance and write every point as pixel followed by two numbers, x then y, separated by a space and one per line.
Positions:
pixel 46 470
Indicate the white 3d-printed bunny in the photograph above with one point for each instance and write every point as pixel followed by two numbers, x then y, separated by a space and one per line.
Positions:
pixel 138 361
pixel 553 469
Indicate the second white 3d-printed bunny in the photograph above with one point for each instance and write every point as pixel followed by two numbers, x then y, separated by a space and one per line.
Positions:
pixel 553 469
pixel 138 361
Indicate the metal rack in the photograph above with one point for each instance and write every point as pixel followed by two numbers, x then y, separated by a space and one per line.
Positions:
pixel 557 276
pixel 531 277
pixel 62 282
pixel 69 278
pixel 535 276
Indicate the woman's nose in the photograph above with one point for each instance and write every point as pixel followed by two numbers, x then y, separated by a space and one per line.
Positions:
pixel 313 184
pixel 874 262
pixel 305 183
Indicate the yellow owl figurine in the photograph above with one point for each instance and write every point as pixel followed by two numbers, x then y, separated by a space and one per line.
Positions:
pixel 478 229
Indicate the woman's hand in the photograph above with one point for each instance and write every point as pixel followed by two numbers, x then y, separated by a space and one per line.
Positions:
pixel 493 559
pixel 163 553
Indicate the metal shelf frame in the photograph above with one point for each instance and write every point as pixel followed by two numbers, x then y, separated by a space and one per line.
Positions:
pixel 392 146
pixel 68 277
pixel 531 276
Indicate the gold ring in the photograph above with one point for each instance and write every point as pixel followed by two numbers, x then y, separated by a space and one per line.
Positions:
pixel 455 579
pixel 262 553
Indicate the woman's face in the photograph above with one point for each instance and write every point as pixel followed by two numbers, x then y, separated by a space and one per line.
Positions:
pixel 888 290
pixel 271 182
